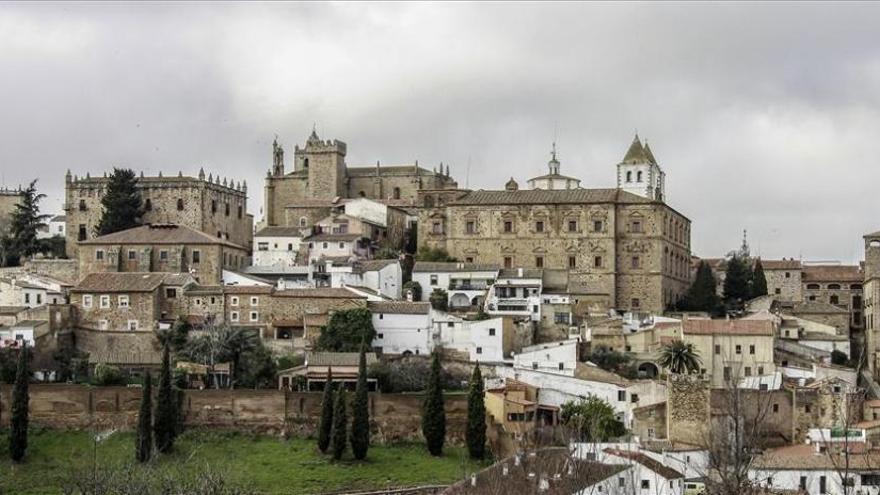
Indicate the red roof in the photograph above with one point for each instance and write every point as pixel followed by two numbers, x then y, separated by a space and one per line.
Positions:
pixel 727 327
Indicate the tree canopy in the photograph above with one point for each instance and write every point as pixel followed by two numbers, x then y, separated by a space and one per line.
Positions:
pixel 737 280
pixel 122 203
pixel 703 292
pixel 346 330
pixel 592 418
pixel 759 281
pixel 21 240
pixel 433 254
pixel 680 358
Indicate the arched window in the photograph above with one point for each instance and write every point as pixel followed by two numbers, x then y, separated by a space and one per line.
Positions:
pixel 855 286
pixel 629 176
pixel 833 286
pixel 302 221
pixel 639 176
pixel 396 193
pixel 362 194
pixel 305 163
pixel 812 286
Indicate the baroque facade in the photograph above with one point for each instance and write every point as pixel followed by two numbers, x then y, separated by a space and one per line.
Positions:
pixel 209 205
pixel 630 249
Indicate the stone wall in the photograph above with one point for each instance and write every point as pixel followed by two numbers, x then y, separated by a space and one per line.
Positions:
pixel 394 417
pixel 687 411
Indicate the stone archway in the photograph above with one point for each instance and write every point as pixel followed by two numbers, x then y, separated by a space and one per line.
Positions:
pixel 648 370
pixel 459 300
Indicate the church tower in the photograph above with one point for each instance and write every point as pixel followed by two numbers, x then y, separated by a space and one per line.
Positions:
pixel 324 164
pixel 639 173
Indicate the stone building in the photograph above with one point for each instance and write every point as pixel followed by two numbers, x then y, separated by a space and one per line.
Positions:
pixel 320 176
pixel 872 300
pixel 839 285
pixel 732 349
pixel 162 248
pixel 625 246
pixel 217 208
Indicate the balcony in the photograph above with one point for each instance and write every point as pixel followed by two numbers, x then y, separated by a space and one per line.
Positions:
pixel 468 286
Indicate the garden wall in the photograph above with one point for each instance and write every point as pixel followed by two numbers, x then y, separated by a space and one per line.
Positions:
pixel 394 417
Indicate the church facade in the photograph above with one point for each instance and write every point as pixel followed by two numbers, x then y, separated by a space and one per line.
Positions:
pixel 625 248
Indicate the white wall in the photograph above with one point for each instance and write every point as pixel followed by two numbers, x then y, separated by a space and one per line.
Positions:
pixel 443 279
pixel 398 333
pixel 368 210
pixel 549 357
pixel 280 251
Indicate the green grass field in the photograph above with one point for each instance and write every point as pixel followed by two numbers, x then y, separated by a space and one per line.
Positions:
pixel 266 464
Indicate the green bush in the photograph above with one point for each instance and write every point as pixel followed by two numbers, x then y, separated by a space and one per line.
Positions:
pixel 107 375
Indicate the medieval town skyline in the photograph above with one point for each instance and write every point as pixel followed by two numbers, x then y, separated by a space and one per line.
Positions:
pixel 477 85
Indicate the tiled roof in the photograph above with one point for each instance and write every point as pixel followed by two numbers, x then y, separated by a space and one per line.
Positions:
pixel 248 289
pixel 334 237
pixel 816 307
pixel 164 233
pixel 278 232
pixel 178 279
pixel 319 292
pixel 804 457
pixel 400 307
pixel 452 266
pixel 783 264
pixel 833 273
pixel 538 196
pixel 650 463
pixel 120 282
pixel 338 358
pixel 387 170
pixel 592 373
pixel 372 265
pixel 204 289
pixel 727 327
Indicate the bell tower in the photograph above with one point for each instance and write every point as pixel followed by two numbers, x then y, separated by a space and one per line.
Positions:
pixel 323 162
pixel 639 173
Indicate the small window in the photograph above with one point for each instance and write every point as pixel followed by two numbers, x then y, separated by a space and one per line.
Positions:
pixel 636 226
pixel 87 301
pixel 470 227
pixel 479 350
pixel 787 274
pixel 82 205
pixel 233 301
pixel 437 228
pixel 433 279
pixel 629 176
pixel 646 484
pixel 572 225
pixel 133 325
pixel 148 204
pixel 539 226
pixel 255 316
pixel 163 255
pixel 213 206
pixel 776 408
pixel 325 245
pixel 597 262
pixel 240 212
pixel 636 303
pixel 539 262
pixel 99 254
pixel 255 301
pixel 171 293
pixel 227 209
pixel 639 176
pixel 572 262
pixel 636 262
pixel 196 256
pixel 233 316
pixel 621 395
pixel 491 332
pixel 739 349
pixel 105 302
pixel 561 366
pixel 380 335
pixel 132 254
pixel 748 371
pixel 597 225
pixel 82 234
pixel 179 204
pixel 752 349
pixel 717 348
pixel 508 262
pixel 469 259
pixel 123 301
pixel 508 226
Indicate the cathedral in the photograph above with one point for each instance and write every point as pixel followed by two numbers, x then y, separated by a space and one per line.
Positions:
pixel 624 248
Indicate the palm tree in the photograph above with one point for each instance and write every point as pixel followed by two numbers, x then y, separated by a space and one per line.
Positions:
pixel 215 344
pixel 680 358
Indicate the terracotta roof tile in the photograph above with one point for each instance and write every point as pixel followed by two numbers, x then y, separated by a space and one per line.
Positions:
pixel 400 307
pixel 120 282
pixel 452 267
pixel 650 463
pixel 727 327
pixel 538 196
pixel 833 273
pixel 165 233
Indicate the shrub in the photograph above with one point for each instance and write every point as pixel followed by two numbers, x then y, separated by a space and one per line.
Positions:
pixel 107 375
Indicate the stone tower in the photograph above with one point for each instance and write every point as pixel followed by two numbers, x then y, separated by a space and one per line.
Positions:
pixel 639 172
pixel 324 164
pixel 872 300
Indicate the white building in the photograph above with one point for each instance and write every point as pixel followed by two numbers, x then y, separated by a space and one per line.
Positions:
pixel 466 283
pixel 232 277
pixel 402 327
pixel 277 246
pixel 488 341
pixel 31 291
pixel 342 247
pixel 553 357
pixel 384 277
pixel 55 227
pixel 640 174
pixel 517 293
pixel 22 332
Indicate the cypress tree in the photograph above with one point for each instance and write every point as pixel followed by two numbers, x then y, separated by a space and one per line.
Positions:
pixel 19 427
pixel 326 424
pixel 340 425
pixel 736 282
pixel 360 413
pixel 165 426
pixel 123 207
pixel 144 442
pixel 702 294
pixel 475 435
pixel 759 281
pixel 433 412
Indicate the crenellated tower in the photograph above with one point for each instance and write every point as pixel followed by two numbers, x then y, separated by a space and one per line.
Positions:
pixel 324 164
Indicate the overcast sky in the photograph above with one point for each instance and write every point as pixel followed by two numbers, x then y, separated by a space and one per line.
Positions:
pixel 763 117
